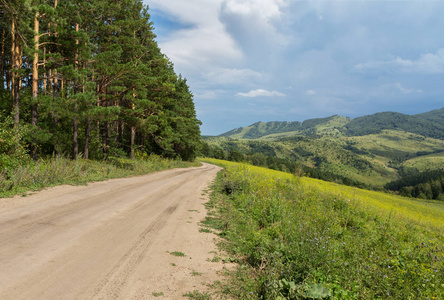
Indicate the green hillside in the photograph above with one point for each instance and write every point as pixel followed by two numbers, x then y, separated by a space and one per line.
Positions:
pixel 429 124
pixel 426 125
pixel 372 150
pixel 436 115
pixel 299 238
pixel 260 129
pixel 282 129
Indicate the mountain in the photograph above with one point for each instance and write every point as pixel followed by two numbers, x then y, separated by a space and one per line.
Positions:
pixel 260 129
pixel 436 115
pixel 281 129
pixel 372 150
pixel 429 124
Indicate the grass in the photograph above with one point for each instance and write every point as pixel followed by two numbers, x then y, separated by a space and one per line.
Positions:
pixel 157 294
pixel 197 295
pixel 195 273
pixel 399 141
pixel 298 238
pixel 428 213
pixel 34 176
pixel 426 162
pixel 177 253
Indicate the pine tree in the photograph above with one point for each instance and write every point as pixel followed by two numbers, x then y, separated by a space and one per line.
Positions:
pixel 90 71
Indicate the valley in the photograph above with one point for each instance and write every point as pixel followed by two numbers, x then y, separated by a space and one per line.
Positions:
pixel 368 151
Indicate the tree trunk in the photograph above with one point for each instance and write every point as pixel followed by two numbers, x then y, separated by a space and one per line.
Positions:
pixel 118 138
pixel 2 62
pixel 8 80
pixel 105 139
pixel 87 137
pixel 133 136
pixel 55 87
pixel 15 80
pixel 45 77
pixel 35 83
pixel 75 151
pixel 133 130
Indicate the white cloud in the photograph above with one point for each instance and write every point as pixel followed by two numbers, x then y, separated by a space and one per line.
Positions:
pixel 397 87
pixel 429 63
pixel 228 49
pixel 205 42
pixel 261 93
pixel 263 9
pixel 193 48
pixel 226 76
pixel 255 22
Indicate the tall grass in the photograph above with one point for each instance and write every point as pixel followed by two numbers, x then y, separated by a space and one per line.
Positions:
pixel 298 238
pixel 58 170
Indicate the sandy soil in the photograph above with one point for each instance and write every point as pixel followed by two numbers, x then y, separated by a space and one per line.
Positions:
pixel 109 240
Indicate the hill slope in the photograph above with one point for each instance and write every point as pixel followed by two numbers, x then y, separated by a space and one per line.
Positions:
pixel 373 149
pixel 429 124
pixel 279 129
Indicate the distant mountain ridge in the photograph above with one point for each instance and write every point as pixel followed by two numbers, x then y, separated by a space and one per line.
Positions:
pixel 429 124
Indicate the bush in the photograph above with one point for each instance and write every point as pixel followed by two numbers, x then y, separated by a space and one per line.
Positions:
pixel 12 152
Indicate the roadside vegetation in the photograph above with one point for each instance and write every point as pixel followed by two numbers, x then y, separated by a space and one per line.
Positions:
pixel 302 238
pixel 36 175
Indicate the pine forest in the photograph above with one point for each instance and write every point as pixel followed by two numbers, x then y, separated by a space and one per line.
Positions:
pixel 86 79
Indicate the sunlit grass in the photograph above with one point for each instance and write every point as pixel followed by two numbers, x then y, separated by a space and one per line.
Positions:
pixel 302 238
pixel 425 212
pixel 426 162
pixel 398 140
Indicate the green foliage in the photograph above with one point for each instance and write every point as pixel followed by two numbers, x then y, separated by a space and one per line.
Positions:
pixel 197 295
pixel 104 87
pixel 419 124
pixel 298 238
pixel 12 151
pixel 424 185
pixel 235 155
pixel 36 175
pixel 177 253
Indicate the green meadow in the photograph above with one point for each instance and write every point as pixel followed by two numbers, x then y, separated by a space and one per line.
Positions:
pixel 426 162
pixel 301 238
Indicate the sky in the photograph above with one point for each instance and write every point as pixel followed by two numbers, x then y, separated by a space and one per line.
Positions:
pixel 289 60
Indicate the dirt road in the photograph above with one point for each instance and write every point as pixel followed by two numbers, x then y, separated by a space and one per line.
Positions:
pixel 109 240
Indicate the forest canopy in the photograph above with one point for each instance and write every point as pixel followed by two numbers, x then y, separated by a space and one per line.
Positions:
pixel 87 79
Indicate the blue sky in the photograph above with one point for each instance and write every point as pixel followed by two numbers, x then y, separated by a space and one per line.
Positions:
pixel 287 60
